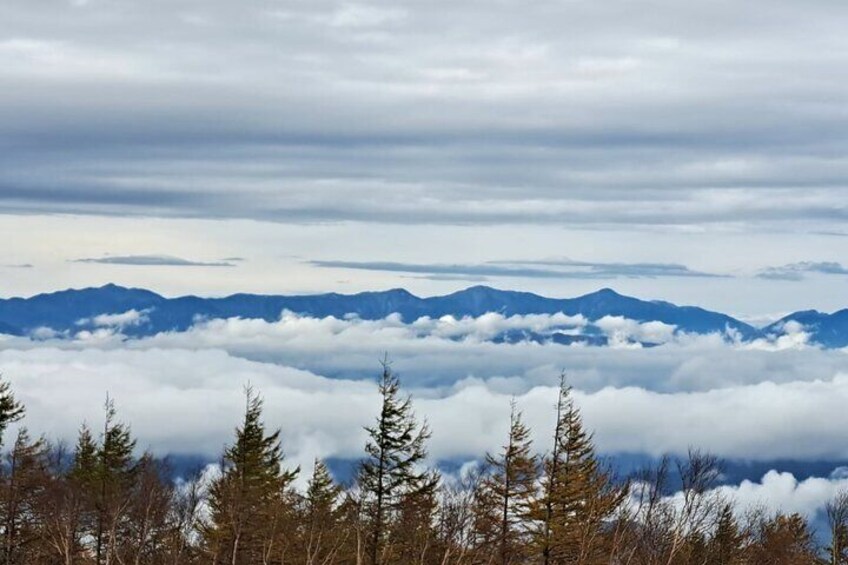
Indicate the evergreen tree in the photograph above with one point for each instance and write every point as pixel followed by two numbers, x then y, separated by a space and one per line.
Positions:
pixel 85 456
pixel 504 502
pixel 114 475
pixel 579 496
pixel 391 472
pixel 247 500
pixel 69 507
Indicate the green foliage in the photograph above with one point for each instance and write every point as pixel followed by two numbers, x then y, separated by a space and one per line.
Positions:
pixel 392 476
pixel 245 502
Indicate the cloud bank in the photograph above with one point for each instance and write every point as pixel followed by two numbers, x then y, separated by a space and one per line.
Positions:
pixel 759 401
pixel 675 114
pixel 541 269
pixel 169 395
pixel 154 260
pixel 797 271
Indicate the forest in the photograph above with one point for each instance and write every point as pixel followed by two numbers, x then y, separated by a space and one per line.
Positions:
pixel 101 502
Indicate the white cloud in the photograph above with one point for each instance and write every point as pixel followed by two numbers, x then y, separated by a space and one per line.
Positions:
pixel 783 492
pixel 440 352
pixel 188 400
pixel 119 321
pixel 792 335
pixel 623 332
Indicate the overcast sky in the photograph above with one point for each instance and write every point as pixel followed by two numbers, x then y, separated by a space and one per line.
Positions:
pixel 690 151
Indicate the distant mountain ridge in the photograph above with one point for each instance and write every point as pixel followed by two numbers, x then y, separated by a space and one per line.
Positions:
pixel 68 310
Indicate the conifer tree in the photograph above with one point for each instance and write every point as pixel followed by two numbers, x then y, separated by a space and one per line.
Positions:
pixel 69 511
pixel 837 518
pixel 245 503
pixel 147 519
pixel 24 481
pixel 783 540
pixel 726 545
pixel 391 472
pixel 505 500
pixel 551 466
pixel 11 410
pixel 114 475
pixel 414 534
pixel 84 467
pixel 578 496
pixel 321 532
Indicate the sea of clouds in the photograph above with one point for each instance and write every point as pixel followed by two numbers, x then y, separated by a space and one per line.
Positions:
pixel 182 392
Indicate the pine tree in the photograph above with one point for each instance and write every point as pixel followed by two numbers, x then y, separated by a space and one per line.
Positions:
pixel 246 502
pixel 578 496
pixel 390 474
pixel 505 499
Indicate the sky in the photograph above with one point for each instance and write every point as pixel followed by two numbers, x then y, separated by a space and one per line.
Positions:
pixel 693 152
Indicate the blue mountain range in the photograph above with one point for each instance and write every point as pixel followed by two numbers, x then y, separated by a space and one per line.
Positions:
pixel 72 310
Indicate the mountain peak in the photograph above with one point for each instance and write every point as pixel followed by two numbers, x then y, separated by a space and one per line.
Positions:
pixel 400 292
pixel 605 292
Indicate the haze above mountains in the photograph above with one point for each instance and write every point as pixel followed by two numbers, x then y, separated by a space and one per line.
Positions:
pixel 73 310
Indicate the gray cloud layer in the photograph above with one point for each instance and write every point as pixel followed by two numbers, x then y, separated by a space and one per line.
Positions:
pixel 154 260
pixel 541 269
pixel 661 113
pixel 796 271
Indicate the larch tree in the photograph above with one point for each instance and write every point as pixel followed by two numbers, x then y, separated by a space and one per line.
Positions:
pixel 727 544
pixel 504 502
pixel 391 477
pixel 24 481
pixel 322 533
pixel 11 410
pixel 147 519
pixel 578 496
pixel 837 520
pixel 783 540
